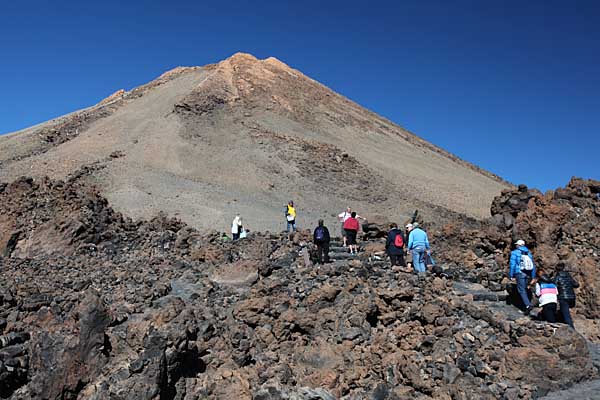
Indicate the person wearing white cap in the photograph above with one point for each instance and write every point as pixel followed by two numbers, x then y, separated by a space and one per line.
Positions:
pixel 418 244
pixel 522 269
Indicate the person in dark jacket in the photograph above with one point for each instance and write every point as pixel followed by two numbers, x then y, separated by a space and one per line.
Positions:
pixel 321 239
pixel 566 292
pixel 395 252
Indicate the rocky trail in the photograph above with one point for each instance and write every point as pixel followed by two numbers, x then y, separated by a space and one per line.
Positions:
pixel 94 305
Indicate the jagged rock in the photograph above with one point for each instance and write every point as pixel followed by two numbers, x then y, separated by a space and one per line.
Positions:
pixel 155 309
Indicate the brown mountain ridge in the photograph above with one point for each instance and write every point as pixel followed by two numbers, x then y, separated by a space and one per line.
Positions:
pixel 246 135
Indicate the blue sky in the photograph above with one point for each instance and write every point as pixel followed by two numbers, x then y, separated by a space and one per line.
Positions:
pixel 511 86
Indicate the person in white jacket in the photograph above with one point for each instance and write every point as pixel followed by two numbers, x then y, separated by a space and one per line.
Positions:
pixel 547 292
pixel 236 227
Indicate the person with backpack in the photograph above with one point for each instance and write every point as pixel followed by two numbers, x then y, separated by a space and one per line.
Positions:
pixel 566 292
pixel 236 227
pixel 290 216
pixel 418 245
pixel 547 293
pixel 321 239
pixel 394 246
pixel 351 226
pixel 522 269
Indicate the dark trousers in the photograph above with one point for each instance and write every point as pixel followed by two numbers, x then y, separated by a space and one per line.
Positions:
pixel 322 252
pixel 565 310
pixel 397 259
pixel 236 236
pixel 549 312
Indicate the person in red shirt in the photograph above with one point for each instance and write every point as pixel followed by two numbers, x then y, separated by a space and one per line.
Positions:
pixel 351 227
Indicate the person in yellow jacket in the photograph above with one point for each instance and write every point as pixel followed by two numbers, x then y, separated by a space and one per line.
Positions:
pixel 290 216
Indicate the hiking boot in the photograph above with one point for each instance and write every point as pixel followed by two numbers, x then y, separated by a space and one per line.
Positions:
pixel 528 309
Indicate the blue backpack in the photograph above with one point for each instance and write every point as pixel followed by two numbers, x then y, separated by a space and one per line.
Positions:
pixel 320 233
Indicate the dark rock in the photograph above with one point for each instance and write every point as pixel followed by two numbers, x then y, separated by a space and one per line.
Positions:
pixel 96 306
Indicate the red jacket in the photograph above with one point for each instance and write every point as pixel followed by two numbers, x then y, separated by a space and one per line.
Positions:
pixel 351 224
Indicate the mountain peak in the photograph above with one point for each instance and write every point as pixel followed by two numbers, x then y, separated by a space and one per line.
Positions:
pixel 241 57
pixel 288 136
pixel 246 59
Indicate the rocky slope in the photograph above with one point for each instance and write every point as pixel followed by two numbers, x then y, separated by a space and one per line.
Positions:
pixel 246 135
pixel 94 305
pixel 559 225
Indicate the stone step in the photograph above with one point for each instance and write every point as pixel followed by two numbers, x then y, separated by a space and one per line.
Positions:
pixel 479 292
pixel 342 256
pixel 338 249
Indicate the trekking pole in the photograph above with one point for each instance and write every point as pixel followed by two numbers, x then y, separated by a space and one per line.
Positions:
pixel 414 217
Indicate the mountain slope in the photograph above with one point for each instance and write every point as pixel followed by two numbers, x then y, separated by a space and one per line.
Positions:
pixel 246 135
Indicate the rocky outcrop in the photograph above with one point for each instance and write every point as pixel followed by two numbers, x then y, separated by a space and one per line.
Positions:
pixel 110 308
pixel 560 225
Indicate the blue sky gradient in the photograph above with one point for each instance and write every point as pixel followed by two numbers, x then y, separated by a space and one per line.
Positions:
pixel 511 86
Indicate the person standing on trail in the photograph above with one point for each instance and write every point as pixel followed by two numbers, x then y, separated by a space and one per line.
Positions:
pixel 522 269
pixel 290 216
pixel 342 217
pixel 418 245
pixel 566 292
pixel 351 226
pixel 394 246
pixel 547 294
pixel 321 239
pixel 236 227
pixel 408 228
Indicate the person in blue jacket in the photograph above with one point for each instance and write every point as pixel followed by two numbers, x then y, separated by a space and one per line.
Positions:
pixel 418 245
pixel 522 269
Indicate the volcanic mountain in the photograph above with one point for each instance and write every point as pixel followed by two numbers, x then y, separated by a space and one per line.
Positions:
pixel 247 135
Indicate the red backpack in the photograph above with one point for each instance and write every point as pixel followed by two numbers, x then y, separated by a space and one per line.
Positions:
pixel 398 241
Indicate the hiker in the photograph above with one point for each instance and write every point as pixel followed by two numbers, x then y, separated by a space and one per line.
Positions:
pixel 394 246
pixel 236 227
pixel 321 240
pixel 290 216
pixel 546 291
pixel 566 292
pixel 522 269
pixel 351 227
pixel 342 217
pixel 418 245
pixel 407 229
pixel 244 233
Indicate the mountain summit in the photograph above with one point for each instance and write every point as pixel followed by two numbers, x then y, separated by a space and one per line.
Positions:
pixel 247 135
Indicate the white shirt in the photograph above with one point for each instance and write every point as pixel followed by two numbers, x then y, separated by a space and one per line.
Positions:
pixel 344 216
pixel 235 225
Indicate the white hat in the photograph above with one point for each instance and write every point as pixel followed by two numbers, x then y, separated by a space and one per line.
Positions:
pixel 409 226
pixel 520 242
